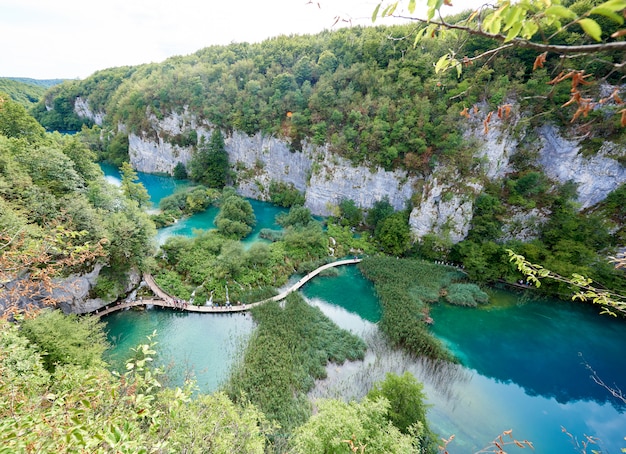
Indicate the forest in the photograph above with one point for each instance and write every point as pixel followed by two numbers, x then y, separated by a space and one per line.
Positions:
pixel 374 98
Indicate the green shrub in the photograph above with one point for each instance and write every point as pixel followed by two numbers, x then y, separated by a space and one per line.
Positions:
pixel 285 194
pixel 461 294
pixel 288 351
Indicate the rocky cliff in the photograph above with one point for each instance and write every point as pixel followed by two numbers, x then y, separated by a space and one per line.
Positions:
pixel 442 200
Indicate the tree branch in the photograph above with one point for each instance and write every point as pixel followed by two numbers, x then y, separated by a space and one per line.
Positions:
pixel 521 43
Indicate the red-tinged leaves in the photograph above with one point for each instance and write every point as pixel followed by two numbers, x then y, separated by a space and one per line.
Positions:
pixel 619 33
pixel 574 99
pixel 504 111
pixel 486 122
pixel 465 113
pixel 623 120
pixel 540 60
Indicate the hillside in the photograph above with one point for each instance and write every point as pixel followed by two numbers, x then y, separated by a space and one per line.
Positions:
pixel 25 91
pixel 479 162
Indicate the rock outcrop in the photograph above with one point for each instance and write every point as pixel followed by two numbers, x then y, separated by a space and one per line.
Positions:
pixel 443 200
pixel 82 109
pixel 595 176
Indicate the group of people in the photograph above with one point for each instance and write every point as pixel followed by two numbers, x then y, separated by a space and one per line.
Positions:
pixel 180 304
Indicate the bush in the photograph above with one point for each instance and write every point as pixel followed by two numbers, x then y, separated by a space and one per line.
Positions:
pixel 66 339
pixel 469 295
pixel 285 194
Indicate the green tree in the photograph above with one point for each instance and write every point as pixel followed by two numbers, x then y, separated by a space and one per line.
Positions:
pixel 406 402
pixel 15 121
pixel 180 172
pixel 132 188
pixel 62 339
pixel 209 164
pixel 379 211
pixel 298 216
pixel 235 218
pixel 350 214
pixel 284 194
pixel 547 28
pixel 394 235
pixel 130 234
pixel 352 427
pixel 116 150
pixel 86 408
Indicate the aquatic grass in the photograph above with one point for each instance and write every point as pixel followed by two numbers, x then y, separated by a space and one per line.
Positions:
pixel 399 283
pixel 465 294
pixel 288 351
pixel 253 295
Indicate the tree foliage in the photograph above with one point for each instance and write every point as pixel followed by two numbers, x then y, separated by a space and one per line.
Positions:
pixel 56 213
pixel 132 188
pixel 209 164
pixel 235 218
pixel 553 29
pixel 352 427
pixel 23 91
pixel 585 289
pixel 66 340
pixel 407 410
pixel 83 407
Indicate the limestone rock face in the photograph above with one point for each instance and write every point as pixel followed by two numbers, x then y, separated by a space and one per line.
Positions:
pixel 82 109
pixel 72 293
pixel 443 211
pixel 325 179
pixel 260 159
pixel 150 156
pixel 595 177
pixel 443 200
pixel 336 179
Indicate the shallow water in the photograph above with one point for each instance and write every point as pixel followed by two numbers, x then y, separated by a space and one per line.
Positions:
pixel 162 186
pixel 202 345
pixel 524 361
pixel 524 368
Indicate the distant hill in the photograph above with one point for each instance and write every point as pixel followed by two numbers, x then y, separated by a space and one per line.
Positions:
pixel 26 91
pixel 47 83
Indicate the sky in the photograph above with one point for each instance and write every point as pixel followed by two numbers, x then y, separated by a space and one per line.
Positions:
pixel 71 39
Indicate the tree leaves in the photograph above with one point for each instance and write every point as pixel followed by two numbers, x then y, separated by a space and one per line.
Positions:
pixel 560 11
pixel 591 28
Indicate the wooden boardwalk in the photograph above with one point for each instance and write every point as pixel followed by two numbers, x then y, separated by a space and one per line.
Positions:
pixel 164 300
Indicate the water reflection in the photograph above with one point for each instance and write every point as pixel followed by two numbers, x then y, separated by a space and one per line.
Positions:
pixel 542 346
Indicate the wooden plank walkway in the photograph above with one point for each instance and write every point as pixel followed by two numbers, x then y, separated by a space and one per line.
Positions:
pixel 167 301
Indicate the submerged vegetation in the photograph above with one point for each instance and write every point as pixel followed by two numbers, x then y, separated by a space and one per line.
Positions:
pixel 288 351
pixel 367 95
pixel 405 288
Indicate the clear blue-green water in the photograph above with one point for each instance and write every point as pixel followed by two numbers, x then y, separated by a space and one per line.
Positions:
pixel 524 361
pixel 159 187
pixel 529 361
pixel 264 212
pixel 188 343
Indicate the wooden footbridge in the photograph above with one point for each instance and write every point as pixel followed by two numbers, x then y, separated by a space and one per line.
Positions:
pixel 162 299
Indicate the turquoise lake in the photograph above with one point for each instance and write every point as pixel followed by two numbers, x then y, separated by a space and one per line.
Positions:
pixel 525 361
